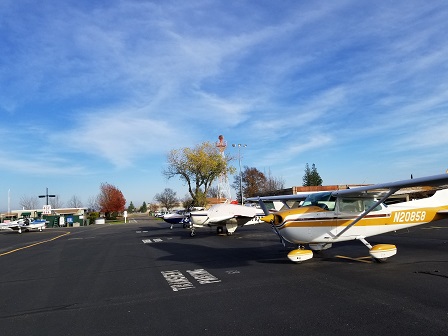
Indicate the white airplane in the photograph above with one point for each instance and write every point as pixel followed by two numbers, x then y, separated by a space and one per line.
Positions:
pixel 229 217
pixel 24 224
pixel 355 214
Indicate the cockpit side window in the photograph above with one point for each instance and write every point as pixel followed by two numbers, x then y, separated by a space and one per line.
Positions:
pixel 356 204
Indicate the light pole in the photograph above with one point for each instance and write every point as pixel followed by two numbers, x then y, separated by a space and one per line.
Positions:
pixel 239 162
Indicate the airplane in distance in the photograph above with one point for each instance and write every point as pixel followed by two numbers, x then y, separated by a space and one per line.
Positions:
pixel 24 224
pixel 180 217
pixel 228 217
pixel 325 218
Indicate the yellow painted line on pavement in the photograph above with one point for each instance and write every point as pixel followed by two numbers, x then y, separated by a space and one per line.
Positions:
pixel 360 259
pixel 38 243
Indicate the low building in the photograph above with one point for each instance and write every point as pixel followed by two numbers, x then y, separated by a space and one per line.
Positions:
pixel 58 217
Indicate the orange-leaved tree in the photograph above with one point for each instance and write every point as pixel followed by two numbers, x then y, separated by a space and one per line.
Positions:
pixel 111 200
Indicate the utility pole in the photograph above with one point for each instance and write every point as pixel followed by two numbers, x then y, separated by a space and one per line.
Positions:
pixel 46 196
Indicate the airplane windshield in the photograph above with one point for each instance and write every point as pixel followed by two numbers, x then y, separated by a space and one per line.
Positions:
pixel 323 200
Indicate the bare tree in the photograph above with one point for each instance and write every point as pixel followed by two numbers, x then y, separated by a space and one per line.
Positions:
pixel 213 192
pixel 92 203
pixel 56 202
pixel 167 199
pixel 29 203
pixel 74 202
pixel 272 183
pixel 152 207
pixel 187 201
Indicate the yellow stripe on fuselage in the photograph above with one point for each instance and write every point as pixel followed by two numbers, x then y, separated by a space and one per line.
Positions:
pixel 401 217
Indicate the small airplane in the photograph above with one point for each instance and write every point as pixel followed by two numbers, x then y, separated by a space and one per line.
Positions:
pixel 24 224
pixel 355 214
pixel 228 216
pixel 180 217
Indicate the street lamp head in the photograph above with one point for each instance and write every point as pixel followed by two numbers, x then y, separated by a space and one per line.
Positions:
pixel 233 145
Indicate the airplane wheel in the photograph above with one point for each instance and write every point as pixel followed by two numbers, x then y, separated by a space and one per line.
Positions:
pixel 229 233
pixel 220 229
pixel 380 260
pixel 171 227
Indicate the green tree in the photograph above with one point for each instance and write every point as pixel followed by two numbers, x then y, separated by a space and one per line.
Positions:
pixel 167 199
pixel 131 208
pixel 311 177
pixel 198 167
pixel 144 207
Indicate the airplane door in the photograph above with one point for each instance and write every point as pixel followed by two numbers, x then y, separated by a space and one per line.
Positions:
pixel 346 212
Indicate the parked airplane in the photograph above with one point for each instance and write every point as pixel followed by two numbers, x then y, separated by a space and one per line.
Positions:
pixel 355 214
pixel 180 217
pixel 228 217
pixel 24 224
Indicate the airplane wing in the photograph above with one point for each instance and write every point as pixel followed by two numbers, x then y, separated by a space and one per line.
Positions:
pixel 299 196
pixel 440 181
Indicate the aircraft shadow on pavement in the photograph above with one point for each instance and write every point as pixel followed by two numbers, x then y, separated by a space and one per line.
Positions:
pixel 218 257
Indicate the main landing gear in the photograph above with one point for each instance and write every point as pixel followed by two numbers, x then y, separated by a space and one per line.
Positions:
pixel 300 254
pixel 380 252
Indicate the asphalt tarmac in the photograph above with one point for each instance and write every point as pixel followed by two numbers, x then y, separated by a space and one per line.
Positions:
pixel 142 278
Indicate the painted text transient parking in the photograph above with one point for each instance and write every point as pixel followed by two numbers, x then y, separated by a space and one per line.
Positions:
pixel 178 281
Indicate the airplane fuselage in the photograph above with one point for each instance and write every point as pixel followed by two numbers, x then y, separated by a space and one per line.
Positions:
pixel 312 224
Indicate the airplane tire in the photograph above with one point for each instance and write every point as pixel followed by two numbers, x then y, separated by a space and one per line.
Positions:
pixel 220 229
pixel 380 260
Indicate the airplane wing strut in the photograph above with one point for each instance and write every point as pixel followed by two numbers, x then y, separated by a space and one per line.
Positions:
pixel 362 215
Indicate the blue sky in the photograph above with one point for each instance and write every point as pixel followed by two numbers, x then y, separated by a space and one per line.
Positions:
pixel 101 91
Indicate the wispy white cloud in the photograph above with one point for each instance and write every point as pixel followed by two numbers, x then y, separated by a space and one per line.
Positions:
pixel 121 138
